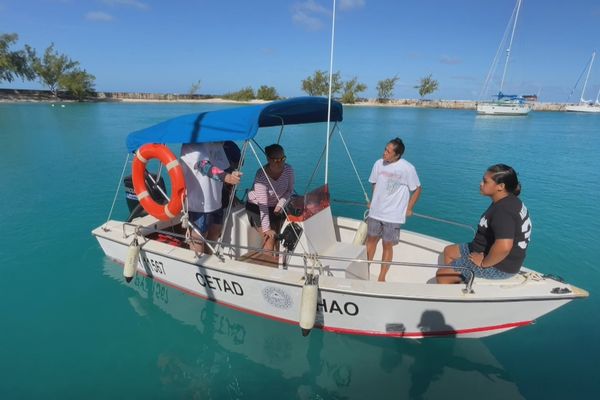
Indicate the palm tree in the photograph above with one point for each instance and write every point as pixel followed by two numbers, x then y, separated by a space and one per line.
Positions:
pixel 428 85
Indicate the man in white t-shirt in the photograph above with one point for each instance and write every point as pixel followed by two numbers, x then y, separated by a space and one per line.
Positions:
pixel 396 189
pixel 204 166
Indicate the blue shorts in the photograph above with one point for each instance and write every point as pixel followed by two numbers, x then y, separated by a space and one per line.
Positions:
pixel 388 231
pixel 485 273
pixel 204 220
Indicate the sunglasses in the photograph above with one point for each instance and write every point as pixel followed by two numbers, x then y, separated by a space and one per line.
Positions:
pixel 278 159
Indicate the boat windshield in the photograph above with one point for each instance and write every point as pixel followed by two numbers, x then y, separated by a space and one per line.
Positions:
pixel 302 208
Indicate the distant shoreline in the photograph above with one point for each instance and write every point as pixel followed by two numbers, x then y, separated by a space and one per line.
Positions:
pixel 40 96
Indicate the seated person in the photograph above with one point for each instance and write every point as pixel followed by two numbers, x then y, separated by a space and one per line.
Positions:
pixel 498 248
pixel 272 187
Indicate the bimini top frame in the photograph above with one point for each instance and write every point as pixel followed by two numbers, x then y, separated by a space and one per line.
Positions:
pixel 236 124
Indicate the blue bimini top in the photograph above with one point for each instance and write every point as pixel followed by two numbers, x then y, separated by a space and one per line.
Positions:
pixel 237 124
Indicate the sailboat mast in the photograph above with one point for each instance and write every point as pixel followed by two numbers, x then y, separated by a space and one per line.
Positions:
pixel 582 100
pixel 512 35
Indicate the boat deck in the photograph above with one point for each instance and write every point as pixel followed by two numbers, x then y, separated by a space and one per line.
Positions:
pixel 418 254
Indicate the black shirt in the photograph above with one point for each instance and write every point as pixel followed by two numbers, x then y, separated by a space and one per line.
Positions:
pixel 506 219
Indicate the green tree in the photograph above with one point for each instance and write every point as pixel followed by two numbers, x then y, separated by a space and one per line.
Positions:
pixel 194 88
pixel 52 67
pixel 385 89
pixel 350 89
pixel 245 94
pixel 428 85
pixel 78 83
pixel 14 64
pixel 267 93
pixel 318 84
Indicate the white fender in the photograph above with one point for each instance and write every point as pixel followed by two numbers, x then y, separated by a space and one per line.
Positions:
pixel 131 261
pixel 361 234
pixel 308 305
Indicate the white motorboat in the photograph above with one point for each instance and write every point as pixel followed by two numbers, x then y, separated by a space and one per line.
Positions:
pixel 586 106
pixel 321 254
pixel 504 104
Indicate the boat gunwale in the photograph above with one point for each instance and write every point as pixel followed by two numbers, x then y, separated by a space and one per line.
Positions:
pixel 323 284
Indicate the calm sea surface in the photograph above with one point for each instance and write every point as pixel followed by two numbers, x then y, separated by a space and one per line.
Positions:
pixel 71 327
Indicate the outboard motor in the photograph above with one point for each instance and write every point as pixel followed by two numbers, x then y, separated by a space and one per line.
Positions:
pixel 134 206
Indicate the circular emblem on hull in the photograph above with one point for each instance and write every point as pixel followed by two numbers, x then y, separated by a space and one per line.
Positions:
pixel 277 297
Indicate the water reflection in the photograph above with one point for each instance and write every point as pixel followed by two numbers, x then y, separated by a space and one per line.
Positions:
pixel 229 354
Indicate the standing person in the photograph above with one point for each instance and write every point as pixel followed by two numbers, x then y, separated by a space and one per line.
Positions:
pixel 204 166
pixel 272 188
pixel 396 189
pixel 233 154
pixel 498 248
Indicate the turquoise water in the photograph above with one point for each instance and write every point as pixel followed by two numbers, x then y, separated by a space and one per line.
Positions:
pixel 72 328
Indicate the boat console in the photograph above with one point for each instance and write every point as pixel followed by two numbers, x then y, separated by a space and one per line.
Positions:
pixel 314 218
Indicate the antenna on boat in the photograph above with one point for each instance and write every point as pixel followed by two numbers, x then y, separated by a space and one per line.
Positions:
pixel 512 35
pixel 329 96
pixel 310 288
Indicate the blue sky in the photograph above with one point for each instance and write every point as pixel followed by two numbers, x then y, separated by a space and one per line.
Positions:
pixel 166 46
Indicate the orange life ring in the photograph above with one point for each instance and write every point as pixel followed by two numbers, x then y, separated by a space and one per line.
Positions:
pixel 168 159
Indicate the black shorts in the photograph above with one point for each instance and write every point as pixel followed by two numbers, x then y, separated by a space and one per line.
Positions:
pixel 275 220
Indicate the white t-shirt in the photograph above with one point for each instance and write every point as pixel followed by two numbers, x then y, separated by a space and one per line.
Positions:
pixel 393 184
pixel 204 193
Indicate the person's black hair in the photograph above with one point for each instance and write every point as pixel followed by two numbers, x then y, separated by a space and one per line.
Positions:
pixel 273 149
pixel 398 146
pixel 502 173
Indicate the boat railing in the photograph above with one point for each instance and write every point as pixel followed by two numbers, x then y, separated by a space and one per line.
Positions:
pixel 306 257
pixel 428 217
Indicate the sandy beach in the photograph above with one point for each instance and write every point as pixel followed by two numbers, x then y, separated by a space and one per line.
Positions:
pixel 21 95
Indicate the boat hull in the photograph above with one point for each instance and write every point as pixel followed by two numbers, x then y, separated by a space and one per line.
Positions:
pixel 503 109
pixel 349 306
pixel 583 108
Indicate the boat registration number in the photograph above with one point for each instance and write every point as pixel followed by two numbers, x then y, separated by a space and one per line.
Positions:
pixel 154 265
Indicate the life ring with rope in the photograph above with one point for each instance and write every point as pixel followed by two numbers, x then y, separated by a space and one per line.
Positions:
pixel 161 152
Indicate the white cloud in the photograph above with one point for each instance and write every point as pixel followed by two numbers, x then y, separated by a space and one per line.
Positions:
pixel 449 60
pixel 268 51
pixel 464 78
pixel 351 4
pixel 129 3
pixel 310 23
pixel 313 7
pixel 308 14
pixel 98 16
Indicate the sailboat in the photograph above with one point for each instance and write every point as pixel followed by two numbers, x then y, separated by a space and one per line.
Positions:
pixel 586 105
pixel 504 104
